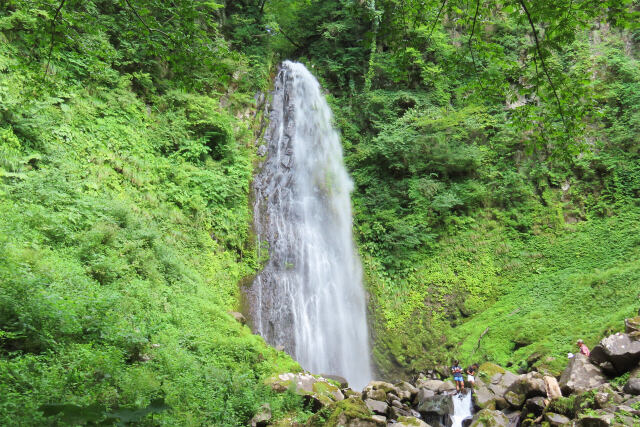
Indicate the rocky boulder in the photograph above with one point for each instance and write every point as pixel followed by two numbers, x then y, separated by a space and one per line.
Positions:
pixel 535 405
pixel 262 417
pixel 398 412
pixel 596 419
pixel 411 422
pixel 556 419
pixel 489 418
pixel 441 404
pixel 429 384
pixel 351 412
pixel 633 383
pixel 316 389
pixel 552 387
pixel 407 391
pixel 620 350
pixel 632 325
pixel 423 393
pixel 446 387
pixel 498 385
pixel 483 397
pixel 580 375
pixel 525 387
pixel 377 390
pixel 374 394
pixel 376 406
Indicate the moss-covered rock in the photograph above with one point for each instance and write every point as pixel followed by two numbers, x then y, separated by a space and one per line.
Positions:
pixel 489 418
pixel 351 412
pixel 410 422
pixel 318 391
pixel 487 370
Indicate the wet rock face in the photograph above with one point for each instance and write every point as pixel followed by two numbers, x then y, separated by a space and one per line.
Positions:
pixel 309 296
pixel 619 350
pixel 580 375
pixel 437 405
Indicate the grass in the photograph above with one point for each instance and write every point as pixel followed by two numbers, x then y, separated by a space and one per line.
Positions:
pixel 532 297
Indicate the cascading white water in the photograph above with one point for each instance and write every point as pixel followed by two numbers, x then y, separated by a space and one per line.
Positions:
pixel 462 406
pixel 309 297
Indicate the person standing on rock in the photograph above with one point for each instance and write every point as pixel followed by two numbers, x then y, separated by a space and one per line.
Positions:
pixel 457 376
pixel 583 348
pixel 471 372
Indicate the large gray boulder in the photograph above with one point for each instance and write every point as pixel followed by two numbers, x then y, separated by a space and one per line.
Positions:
pixel 504 379
pixel 498 385
pixel 430 384
pixel 423 393
pixel 580 375
pixel 446 387
pixel 483 397
pixel 525 387
pixel 489 418
pixel 622 352
pixel 441 404
pixel 376 406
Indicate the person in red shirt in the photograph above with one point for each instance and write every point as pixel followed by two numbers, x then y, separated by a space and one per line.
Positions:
pixel 583 348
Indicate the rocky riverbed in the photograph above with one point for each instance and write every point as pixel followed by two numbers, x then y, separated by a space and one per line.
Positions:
pixel 602 390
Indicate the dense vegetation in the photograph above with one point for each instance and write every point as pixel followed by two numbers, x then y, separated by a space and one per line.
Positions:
pixel 495 152
pixel 125 221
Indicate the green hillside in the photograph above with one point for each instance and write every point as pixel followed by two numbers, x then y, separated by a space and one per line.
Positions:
pixel 495 151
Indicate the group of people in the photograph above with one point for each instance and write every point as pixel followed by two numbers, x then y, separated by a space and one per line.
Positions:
pixel 458 373
pixel 458 376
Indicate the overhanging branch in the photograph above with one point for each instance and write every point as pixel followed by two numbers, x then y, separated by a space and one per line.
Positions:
pixel 542 61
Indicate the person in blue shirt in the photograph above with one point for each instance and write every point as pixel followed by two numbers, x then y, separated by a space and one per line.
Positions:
pixel 456 370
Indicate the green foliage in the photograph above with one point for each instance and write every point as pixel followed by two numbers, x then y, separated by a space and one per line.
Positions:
pixel 474 151
pixel 125 224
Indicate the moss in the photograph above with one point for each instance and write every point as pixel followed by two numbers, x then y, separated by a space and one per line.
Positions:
pixel 325 388
pixel 410 421
pixel 488 370
pixel 339 413
pixel 564 406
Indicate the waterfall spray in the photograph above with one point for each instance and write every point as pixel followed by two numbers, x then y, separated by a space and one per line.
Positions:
pixel 309 297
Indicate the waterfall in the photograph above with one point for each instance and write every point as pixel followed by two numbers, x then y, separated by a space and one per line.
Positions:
pixel 309 298
pixel 462 405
